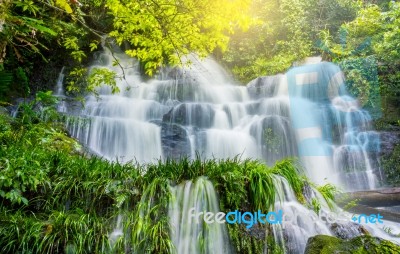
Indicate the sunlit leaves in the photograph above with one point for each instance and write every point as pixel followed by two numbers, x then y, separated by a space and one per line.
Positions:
pixel 102 76
pixel 78 55
pixel 284 32
pixel 367 23
pixel 160 29
pixel 388 48
pixel 93 45
pixel 71 43
pixel 64 4
pixel 372 32
pixel 77 78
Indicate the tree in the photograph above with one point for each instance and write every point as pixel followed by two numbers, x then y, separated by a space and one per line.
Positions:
pixel 285 31
pixel 162 31
pixel 370 40
pixel 158 32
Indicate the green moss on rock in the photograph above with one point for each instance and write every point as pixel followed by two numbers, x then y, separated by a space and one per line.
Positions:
pixel 323 244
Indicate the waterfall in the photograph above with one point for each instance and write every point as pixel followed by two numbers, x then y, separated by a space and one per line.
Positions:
pixel 199 109
pixel 188 234
pixel 59 89
pixel 335 139
pixel 60 93
pixel 306 112
pixel 300 222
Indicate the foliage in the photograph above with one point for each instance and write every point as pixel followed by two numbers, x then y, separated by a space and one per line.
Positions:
pixel 324 244
pixel 150 229
pixel 58 232
pixel 162 33
pixel 21 29
pixel 363 82
pixel 284 32
pixel 391 167
pixel 156 32
pixel 57 200
pixel 31 29
pixel 366 49
pixel 102 76
pixel 262 188
pixel 315 205
pixel 245 243
pixel 5 81
pixel 328 191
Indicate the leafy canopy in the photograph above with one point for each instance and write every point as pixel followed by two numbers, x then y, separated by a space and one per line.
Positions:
pixel 285 31
pixel 162 31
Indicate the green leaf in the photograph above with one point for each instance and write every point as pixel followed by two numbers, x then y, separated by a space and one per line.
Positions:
pixel 38 25
pixel 64 4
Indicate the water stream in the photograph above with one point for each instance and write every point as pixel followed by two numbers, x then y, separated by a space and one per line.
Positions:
pixel 305 113
pixel 199 109
pixel 60 93
pixel 192 235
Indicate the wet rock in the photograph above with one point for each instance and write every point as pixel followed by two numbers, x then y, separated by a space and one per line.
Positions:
pixel 176 89
pixel 175 142
pixel 275 138
pixel 263 86
pixel 307 192
pixel 324 244
pixel 347 230
pixel 257 231
pixel 389 139
pixel 199 115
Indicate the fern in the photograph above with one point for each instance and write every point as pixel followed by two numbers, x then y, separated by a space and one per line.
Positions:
pixel 6 79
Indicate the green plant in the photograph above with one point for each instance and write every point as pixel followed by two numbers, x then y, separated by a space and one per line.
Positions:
pixel 262 190
pixel 391 167
pixel 315 205
pixel 58 200
pixel 6 79
pixel 150 227
pixel 274 247
pixel 328 191
pixel 102 76
pixel 351 204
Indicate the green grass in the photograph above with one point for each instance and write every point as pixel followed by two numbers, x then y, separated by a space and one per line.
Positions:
pixel 56 199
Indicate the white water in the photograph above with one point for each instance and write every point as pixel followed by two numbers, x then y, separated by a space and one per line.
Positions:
pixel 300 222
pixel 187 235
pixel 60 93
pixel 304 113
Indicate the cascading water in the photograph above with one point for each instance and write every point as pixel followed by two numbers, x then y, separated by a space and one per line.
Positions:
pixel 60 93
pixel 305 113
pixel 187 235
pixel 198 109
pixel 300 222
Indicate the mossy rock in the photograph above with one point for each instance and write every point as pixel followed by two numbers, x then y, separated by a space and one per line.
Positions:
pixel 324 244
pixel 3 110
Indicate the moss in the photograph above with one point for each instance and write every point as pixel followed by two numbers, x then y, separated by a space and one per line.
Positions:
pixel 323 244
pixel 391 167
pixel 257 239
pixel 246 241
